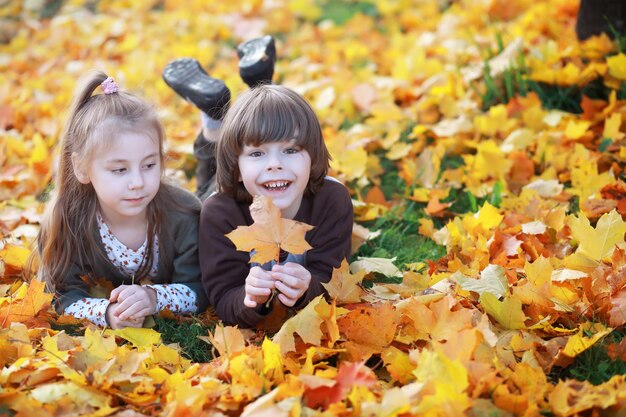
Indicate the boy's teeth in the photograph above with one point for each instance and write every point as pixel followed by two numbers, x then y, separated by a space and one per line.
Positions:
pixel 274 185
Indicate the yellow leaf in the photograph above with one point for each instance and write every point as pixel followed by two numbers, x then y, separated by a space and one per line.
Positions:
pixel 617 66
pixel 246 371
pixel 398 150
pixel 398 364
pixel 492 280
pixel 383 266
pixel 580 342
pixel 508 312
pixel 82 400
pixel 306 324
pixel 489 162
pixel 139 337
pixel 273 361
pixel 344 286
pixel 598 243
pixel 539 272
pixel 612 126
pixel 269 233
pixel 14 256
pixel 26 309
pixel 576 129
pixel 488 217
pixel 227 340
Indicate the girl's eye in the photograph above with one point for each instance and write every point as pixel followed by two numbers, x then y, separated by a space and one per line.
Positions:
pixel 151 165
pixel 255 154
pixel 118 170
pixel 292 150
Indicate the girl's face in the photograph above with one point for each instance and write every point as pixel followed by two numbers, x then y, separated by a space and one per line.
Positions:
pixel 126 176
pixel 279 170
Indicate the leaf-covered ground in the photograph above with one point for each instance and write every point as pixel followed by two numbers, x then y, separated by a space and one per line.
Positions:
pixel 484 149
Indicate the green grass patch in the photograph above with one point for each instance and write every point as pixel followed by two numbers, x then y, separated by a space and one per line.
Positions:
pixel 340 11
pixel 186 335
pixel 399 238
pixel 594 364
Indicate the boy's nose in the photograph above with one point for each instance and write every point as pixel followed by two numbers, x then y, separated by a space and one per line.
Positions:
pixel 274 162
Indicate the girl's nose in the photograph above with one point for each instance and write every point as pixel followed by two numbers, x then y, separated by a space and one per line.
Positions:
pixel 135 182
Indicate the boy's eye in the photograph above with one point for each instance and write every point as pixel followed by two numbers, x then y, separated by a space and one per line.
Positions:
pixel 255 154
pixel 118 170
pixel 150 165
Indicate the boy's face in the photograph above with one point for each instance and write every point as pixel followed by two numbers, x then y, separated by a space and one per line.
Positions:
pixel 279 170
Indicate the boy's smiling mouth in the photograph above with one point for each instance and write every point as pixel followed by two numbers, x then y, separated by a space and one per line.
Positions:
pixel 276 185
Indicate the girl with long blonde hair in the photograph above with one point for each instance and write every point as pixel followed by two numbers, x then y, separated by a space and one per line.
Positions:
pixel 113 215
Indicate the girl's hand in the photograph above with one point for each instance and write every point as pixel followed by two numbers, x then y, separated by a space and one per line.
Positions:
pixel 259 285
pixel 292 280
pixel 115 323
pixel 133 302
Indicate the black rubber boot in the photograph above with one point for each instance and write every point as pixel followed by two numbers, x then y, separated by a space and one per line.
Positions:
pixel 191 82
pixel 256 60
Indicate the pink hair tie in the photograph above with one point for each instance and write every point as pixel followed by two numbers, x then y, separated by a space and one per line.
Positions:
pixel 109 86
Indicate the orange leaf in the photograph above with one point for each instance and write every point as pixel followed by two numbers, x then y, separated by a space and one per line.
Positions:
pixel 343 286
pixel 435 207
pixel 28 308
pixel 269 233
pixel 370 327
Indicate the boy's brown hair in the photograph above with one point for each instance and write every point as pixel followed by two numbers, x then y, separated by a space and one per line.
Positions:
pixel 267 114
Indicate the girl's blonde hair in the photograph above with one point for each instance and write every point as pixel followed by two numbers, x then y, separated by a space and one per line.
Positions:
pixel 69 230
pixel 264 114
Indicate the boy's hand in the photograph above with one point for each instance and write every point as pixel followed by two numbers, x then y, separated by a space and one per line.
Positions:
pixel 292 280
pixel 115 323
pixel 133 302
pixel 259 285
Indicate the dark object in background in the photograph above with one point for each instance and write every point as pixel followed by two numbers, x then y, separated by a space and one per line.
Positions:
pixel 597 16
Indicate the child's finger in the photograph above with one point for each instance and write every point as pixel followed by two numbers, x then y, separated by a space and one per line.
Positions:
pixel 115 293
pixel 258 291
pixel 289 302
pixel 128 292
pixel 142 314
pixel 133 311
pixel 290 292
pixel 248 302
pixel 288 280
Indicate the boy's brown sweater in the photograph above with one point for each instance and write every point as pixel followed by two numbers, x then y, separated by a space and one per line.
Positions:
pixel 224 269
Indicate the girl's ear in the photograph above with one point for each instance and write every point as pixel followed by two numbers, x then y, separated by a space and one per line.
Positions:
pixel 79 173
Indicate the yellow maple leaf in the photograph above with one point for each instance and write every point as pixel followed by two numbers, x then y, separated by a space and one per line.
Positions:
pixel 487 218
pixel 576 129
pixel 23 310
pixel 137 336
pixel 598 243
pixel 14 255
pixel 617 66
pixel 227 340
pixel 344 286
pixel 580 342
pixel 612 127
pixel 269 233
pixel 398 364
pixel 492 280
pixel 273 361
pixel 306 324
pixel 507 312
